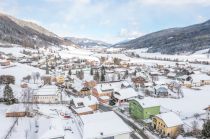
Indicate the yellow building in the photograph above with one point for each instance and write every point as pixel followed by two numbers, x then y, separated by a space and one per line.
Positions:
pixel 167 124
pixel 60 79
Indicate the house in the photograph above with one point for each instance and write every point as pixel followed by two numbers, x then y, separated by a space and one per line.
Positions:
pixel 167 124
pixel 60 79
pixel 175 85
pixel 149 91
pixel 85 105
pixel 81 90
pixel 184 78
pixel 24 85
pixel 90 83
pixel 200 79
pixel 154 75
pixel 142 109
pixel 197 80
pixel 105 125
pixel 207 112
pixel 85 91
pixel 46 94
pixel 139 81
pixel 4 62
pixel 161 90
pixel 103 92
pixel 16 110
pixel 171 75
pixel 122 95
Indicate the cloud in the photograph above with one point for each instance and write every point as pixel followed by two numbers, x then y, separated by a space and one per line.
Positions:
pixel 128 34
pixel 201 18
pixel 105 22
pixel 108 20
pixel 175 2
pixel 11 8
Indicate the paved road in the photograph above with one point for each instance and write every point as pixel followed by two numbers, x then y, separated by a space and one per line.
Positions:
pixel 134 136
pixel 139 131
pixel 104 108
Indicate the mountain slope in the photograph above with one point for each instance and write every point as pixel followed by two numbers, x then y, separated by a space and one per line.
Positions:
pixel 28 34
pixel 174 40
pixel 32 25
pixel 87 43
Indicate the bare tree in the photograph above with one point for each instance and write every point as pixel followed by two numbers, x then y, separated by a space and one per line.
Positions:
pixel 37 75
pixel 28 78
pixel 33 75
pixel 195 127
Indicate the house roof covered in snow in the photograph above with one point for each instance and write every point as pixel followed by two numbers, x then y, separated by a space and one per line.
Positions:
pixel 16 108
pixel 125 93
pixel 146 103
pixel 102 125
pixel 170 119
pixel 111 86
pixel 199 77
pixel 47 90
pixel 87 100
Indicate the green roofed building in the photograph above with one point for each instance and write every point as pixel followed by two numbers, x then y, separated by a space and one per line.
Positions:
pixel 143 108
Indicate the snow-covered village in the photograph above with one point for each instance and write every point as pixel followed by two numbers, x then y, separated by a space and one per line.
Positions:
pixel 149 87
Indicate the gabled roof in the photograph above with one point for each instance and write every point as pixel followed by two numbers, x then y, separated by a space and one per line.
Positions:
pixel 170 119
pixel 16 108
pixel 87 100
pixel 47 90
pixel 199 77
pixel 102 125
pixel 146 103
pixel 125 93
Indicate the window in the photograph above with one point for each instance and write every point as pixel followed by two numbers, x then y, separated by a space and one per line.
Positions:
pixel 80 104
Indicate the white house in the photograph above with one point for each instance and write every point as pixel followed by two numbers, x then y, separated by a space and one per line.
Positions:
pixel 46 94
pixel 124 94
pixel 85 105
pixel 105 125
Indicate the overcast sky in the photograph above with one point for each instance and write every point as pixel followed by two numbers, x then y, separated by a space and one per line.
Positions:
pixel 108 20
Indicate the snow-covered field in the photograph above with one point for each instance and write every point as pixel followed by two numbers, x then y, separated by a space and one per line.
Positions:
pixel 199 55
pixel 19 71
pixel 76 52
pixel 6 123
pixel 194 101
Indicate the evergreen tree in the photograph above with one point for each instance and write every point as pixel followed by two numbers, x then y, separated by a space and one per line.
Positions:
pixel 70 72
pixel 206 129
pixel 8 94
pixel 125 75
pixel 134 73
pixel 55 59
pixel 103 70
pixel 81 74
pixel 96 76
pixel 118 76
pixel 91 71
pixel 47 67
pixel 102 77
